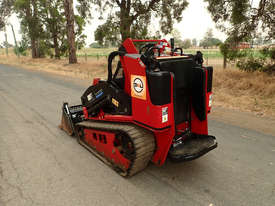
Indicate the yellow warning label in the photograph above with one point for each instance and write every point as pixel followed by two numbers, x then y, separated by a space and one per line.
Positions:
pixel 115 102
pixel 138 87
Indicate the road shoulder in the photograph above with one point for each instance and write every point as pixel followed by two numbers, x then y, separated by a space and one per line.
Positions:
pixel 246 120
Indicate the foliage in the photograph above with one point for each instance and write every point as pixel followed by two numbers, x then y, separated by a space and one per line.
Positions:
pixel 250 64
pixel 140 29
pixel 249 60
pixel 194 42
pixel 186 44
pixel 177 37
pixel 231 52
pixel 23 46
pixel 28 13
pixel 52 15
pixel 242 19
pixel 263 63
pixel 107 34
pixel 84 8
pixel 95 45
pixel 209 40
pixel 131 18
pixel 44 23
pixel 7 45
pixel 80 37
pixel 268 52
pixel 6 7
pixel 205 43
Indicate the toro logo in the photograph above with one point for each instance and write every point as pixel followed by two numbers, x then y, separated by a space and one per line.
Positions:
pixel 138 87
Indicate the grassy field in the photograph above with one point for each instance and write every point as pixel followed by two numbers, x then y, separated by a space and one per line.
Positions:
pixel 94 52
pixel 104 52
pixel 99 52
pixel 208 53
pixel 254 92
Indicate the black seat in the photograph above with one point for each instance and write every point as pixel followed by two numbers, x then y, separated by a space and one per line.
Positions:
pixel 189 84
pixel 183 73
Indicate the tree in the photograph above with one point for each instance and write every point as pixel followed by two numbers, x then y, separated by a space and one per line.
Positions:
pixel 186 43
pixel 55 35
pixel 23 45
pixel 5 11
pixel 242 19
pixel 259 40
pixel 108 33
pixel 95 45
pixel 209 33
pixel 27 11
pixel 209 40
pixel 194 42
pixel 54 21
pixel 224 49
pixel 177 37
pixel 69 13
pixel 126 15
pixel 7 44
pixel 44 23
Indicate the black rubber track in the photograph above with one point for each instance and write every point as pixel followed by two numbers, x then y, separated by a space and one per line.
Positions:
pixel 143 141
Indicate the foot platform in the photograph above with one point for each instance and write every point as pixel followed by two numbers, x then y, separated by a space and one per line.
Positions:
pixel 192 148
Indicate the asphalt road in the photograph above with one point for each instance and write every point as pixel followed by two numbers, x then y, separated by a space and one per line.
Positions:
pixel 41 165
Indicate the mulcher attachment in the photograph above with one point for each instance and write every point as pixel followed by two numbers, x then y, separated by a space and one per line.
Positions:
pixel 70 116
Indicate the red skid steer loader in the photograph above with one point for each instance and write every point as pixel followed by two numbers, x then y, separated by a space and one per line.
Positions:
pixel 154 105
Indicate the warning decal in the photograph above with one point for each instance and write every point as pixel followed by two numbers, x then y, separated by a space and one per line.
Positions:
pixel 164 114
pixel 138 87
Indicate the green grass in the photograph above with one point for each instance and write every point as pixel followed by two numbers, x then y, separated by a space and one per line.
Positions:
pixel 104 52
pixel 95 52
pixel 99 52
pixel 207 53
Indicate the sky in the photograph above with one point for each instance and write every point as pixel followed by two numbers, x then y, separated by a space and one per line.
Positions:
pixel 195 22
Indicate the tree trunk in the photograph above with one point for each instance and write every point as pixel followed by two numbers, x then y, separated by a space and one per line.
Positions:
pixel 125 31
pixel 34 48
pixel 54 31
pixel 69 13
pixel 31 28
pixel 56 47
pixel 6 42
pixel 224 61
pixel 34 27
pixel 15 41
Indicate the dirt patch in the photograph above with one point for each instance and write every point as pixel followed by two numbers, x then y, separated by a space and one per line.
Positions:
pixel 252 92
